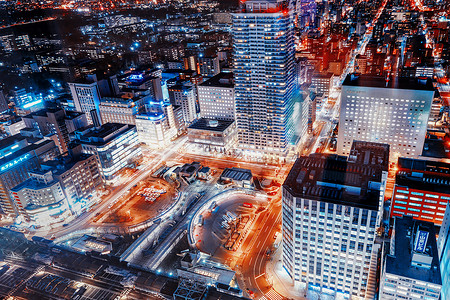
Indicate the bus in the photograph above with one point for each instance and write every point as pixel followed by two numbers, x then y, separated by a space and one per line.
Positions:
pixel 232 216
pixel 225 225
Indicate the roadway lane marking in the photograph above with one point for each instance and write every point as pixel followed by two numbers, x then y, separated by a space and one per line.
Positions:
pixel 259 275
pixel 250 262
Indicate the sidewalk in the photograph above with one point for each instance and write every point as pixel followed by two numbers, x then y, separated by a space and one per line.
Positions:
pixel 279 278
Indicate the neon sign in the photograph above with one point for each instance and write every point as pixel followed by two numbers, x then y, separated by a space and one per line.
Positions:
pixel 421 241
pixel 14 162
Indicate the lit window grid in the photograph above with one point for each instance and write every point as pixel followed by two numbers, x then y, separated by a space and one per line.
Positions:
pixel 393 116
pixel 300 251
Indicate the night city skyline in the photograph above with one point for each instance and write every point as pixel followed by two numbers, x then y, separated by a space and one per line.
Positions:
pixel 225 149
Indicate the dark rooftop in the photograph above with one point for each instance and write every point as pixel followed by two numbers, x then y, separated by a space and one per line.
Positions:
pixel 400 262
pixel 224 80
pixel 237 174
pixel 331 178
pixel 102 135
pixel 59 166
pixel 408 83
pixel 211 124
pixel 8 141
pixel 425 175
pixel 370 153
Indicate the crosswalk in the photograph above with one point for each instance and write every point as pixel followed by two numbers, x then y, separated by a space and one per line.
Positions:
pixel 272 295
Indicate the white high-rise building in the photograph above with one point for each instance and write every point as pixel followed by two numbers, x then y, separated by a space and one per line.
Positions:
pixel 184 96
pixel 86 97
pixel 265 85
pixel 331 210
pixel 216 97
pixel 394 112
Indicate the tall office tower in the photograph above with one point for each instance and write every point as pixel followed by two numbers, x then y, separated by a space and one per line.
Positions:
pixel 443 248
pixel 216 97
pixel 184 96
pixel 331 210
pixel 410 269
pixel 265 90
pixel 394 112
pixel 86 97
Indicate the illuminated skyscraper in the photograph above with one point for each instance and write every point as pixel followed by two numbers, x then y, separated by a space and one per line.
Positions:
pixel 332 208
pixel 264 76
pixel 86 97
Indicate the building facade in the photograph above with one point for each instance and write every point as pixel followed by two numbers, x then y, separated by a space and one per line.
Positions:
pixel 331 211
pixel 263 51
pixel 443 248
pixel 208 66
pixel 212 134
pixel 40 200
pixel 410 269
pixel 86 97
pixel 422 190
pixel 121 110
pixel 154 130
pixel 395 113
pixel 114 145
pixel 79 178
pixel 15 168
pixel 323 83
pixel 184 95
pixel 216 97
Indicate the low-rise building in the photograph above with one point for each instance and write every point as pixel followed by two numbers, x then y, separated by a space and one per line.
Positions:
pixel 40 200
pixel 410 269
pixel 241 177
pixel 210 134
pixel 154 130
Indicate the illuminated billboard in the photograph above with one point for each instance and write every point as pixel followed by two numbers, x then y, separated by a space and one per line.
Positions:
pixel 421 241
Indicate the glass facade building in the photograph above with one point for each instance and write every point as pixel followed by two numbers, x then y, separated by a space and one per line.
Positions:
pixel 263 50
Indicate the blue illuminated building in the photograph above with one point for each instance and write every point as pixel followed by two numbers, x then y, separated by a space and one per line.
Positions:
pixel 263 51
pixel 16 163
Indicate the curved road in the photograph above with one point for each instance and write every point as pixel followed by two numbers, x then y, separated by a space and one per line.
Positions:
pixel 83 221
